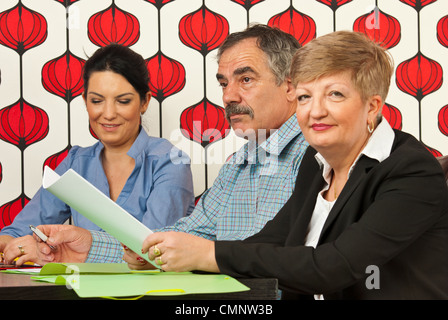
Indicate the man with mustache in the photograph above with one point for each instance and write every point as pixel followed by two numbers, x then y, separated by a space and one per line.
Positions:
pixel 257 180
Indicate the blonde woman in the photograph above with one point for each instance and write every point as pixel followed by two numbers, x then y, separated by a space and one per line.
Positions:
pixel 368 218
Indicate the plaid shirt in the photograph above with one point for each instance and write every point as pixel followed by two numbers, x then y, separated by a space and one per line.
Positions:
pixel 252 186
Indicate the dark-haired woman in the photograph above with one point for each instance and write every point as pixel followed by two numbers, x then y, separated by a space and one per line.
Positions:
pixel 132 168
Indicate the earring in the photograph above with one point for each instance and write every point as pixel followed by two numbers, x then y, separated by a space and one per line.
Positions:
pixel 370 129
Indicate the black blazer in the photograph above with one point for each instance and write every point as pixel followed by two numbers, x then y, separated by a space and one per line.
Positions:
pixel 391 215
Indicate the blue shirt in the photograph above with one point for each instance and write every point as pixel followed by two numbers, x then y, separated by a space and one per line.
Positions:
pixel 252 186
pixel 157 193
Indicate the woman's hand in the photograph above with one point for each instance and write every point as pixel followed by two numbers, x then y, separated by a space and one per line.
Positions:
pixel 178 251
pixel 25 249
pixel 134 261
pixel 4 240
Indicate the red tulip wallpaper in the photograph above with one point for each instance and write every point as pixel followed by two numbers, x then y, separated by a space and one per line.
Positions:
pixel 45 43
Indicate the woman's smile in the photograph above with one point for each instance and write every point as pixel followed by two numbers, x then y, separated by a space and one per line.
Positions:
pixel 321 126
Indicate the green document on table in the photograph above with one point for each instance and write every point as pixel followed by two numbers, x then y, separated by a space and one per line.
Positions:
pixel 85 198
pixel 117 281
pixel 88 268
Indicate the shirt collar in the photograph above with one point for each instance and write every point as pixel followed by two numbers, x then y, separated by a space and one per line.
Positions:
pixel 274 144
pixel 139 144
pixel 136 148
pixel 280 138
pixel 378 147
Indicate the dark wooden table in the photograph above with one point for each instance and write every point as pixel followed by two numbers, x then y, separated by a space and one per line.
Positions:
pixel 22 287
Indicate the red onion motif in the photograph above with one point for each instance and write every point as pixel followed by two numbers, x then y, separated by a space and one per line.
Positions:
pixel 54 160
pixel 443 120
pixel 334 4
pixel 203 30
pixel 291 21
pixel 393 116
pixel 442 31
pixel 418 4
pixel 204 123
pixel 167 76
pixel 63 76
pixel 22 124
pixel 379 27
pixel 419 76
pixel 21 28
pixel 435 153
pixel 113 25
pixel 11 209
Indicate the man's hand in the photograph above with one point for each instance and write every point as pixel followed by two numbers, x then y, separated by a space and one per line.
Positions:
pixel 71 243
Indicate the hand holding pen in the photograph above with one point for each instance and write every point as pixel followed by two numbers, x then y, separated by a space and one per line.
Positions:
pixel 40 235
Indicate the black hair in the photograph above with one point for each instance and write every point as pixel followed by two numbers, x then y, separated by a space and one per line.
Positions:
pixel 123 61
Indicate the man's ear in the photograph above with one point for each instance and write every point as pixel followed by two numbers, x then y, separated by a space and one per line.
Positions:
pixel 290 90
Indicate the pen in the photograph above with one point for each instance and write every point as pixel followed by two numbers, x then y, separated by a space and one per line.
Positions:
pixel 40 235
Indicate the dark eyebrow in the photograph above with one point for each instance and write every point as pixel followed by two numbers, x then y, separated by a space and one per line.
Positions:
pixel 243 70
pixel 237 72
pixel 125 94
pixel 119 96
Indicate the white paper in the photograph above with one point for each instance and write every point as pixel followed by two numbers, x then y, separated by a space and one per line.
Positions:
pixel 85 198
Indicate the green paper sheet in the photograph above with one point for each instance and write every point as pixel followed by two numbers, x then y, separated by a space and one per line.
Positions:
pixel 79 268
pixel 136 285
pixel 88 268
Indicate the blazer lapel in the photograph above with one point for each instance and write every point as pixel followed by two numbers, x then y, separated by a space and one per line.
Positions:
pixel 361 169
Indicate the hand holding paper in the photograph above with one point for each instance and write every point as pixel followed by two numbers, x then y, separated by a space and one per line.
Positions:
pixel 135 261
pixel 181 251
pixel 82 196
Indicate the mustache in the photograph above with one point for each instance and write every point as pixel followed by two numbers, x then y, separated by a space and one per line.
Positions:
pixel 235 108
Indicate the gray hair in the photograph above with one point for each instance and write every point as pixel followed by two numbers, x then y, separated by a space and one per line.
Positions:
pixel 278 46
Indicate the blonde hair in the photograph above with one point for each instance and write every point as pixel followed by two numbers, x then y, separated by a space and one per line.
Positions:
pixel 371 65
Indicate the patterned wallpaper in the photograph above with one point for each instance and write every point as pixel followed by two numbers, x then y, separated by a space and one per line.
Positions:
pixel 44 44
